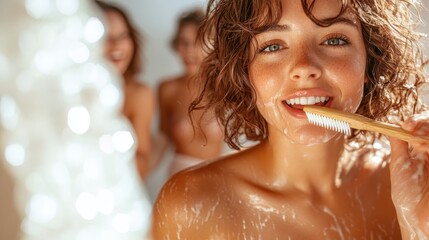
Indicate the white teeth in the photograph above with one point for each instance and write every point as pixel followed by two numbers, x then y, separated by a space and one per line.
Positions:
pixel 311 100
pixel 318 99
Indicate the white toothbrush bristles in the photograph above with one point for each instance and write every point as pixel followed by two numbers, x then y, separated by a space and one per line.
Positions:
pixel 329 123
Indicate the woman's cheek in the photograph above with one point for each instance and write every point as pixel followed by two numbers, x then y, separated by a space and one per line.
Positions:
pixel 352 103
pixel 268 93
pixel 268 107
pixel 269 85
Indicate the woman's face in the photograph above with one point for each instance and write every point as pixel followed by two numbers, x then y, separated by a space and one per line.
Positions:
pixel 298 63
pixel 189 51
pixel 119 48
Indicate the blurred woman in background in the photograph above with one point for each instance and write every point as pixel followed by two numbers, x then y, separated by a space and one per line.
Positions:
pixel 192 145
pixel 123 49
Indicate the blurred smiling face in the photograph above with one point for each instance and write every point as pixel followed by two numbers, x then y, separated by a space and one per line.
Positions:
pixel 119 46
pixel 299 63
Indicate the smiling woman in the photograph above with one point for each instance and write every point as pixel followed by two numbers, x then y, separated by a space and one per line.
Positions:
pixel 267 61
pixel 316 62
pixel 122 49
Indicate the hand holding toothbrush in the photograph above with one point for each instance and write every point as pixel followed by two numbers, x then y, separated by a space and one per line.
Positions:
pixel 409 173
pixel 409 165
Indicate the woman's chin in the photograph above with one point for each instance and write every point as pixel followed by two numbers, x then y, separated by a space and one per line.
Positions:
pixel 312 135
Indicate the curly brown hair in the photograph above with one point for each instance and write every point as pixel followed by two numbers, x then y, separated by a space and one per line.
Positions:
pixel 135 66
pixel 394 61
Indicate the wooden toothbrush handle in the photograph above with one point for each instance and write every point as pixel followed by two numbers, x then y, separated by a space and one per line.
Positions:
pixel 394 131
pixel 363 123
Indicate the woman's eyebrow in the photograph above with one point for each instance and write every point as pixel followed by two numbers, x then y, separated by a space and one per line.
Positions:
pixel 341 20
pixel 332 21
pixel 278 28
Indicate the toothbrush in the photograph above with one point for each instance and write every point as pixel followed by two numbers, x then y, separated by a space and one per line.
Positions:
pixel 342 122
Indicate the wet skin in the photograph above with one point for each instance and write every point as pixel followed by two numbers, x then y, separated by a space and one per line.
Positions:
pixel 299 183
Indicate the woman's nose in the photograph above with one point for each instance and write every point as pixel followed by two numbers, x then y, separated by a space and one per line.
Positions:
pixel 305 67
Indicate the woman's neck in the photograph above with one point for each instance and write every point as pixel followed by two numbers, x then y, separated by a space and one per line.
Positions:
pixel 188 80
pixel 311 169
pixel 128 79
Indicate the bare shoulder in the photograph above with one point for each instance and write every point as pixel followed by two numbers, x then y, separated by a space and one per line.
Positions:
pixel 142 89
pixel 196 202
pixel 140 93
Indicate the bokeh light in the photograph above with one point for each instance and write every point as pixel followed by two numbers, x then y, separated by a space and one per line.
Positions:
pixel 64 138
pixel 79 119
pixel 15 154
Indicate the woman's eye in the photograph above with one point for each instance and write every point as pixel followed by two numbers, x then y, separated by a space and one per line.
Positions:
pixel 335 42
pixel 271 48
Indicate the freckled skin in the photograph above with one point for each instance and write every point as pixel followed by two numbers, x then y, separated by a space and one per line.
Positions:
pixel 304 63
pixel 301 183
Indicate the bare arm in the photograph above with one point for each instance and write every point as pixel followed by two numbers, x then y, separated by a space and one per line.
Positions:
pixel 161 139
pixel 165 92
pixel 143 105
